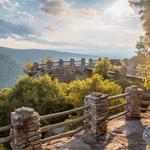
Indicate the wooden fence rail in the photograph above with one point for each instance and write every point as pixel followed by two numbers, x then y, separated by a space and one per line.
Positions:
pixel 118 96
pixel 145 102
pixel 58 125
pixel 5 128
pixel 117 106
pixel 145 109
pixel 5 139
pixel 117 115
pixel 66 134
pixel 92 102
pixel 50 116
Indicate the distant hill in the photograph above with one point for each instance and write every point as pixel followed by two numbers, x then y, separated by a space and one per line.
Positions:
pixel 13 60
pixel 10 70
pixel 36 55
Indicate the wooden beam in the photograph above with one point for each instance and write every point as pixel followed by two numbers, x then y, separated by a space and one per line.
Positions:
pixel 5 128
pixel 145 102
pixel 66 134
pixel 5 139
pixel 118 96
pixel 145 109
pixel 113 107
pixel 117 115
pixel 58 125
pixel 50 116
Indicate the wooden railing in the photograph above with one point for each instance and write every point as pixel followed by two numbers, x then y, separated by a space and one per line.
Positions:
pixel 62 124
pixel 118 106
pixel 81 119
pixel 147 103
pixel 4 129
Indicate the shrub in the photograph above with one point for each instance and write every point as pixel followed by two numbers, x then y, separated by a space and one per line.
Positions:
pixel 41 93
pixel 102 67
pixel 147 79
pixel 77 90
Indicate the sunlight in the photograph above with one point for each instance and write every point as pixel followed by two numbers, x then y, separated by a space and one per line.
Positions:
pixel 119 8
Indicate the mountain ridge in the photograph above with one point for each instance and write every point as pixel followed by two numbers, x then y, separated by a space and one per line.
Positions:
pixel 12 61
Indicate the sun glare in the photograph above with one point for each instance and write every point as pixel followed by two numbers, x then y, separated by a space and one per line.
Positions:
pixel 119 8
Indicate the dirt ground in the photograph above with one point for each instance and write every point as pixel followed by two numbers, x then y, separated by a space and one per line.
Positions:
pixel 122 135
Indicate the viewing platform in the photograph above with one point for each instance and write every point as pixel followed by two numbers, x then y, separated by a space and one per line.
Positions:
pixel 95 127
pixel 121 134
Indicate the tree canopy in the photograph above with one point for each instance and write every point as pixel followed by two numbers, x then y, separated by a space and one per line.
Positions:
pixel 143 7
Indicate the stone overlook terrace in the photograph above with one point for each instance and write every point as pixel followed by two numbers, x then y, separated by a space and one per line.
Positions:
pixel 60 68
pixel 98 131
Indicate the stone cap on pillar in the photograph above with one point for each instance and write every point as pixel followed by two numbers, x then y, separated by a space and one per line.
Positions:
pixel 96 97
pixel 22 114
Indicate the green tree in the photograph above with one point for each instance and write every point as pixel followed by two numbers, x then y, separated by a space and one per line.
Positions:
pixel 144 11
pixel 147 79
pixel 77 90
pixel 102 67
pixel 41 93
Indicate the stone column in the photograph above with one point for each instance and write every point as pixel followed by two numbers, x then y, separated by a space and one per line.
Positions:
pixel 61 62
pixel 49 64
pixel 91 64
pixel 98 110
pixel 134 101
pixel 25 134
pixel 35 66
pixel 83 62
pixel 72 62
pixel 123 72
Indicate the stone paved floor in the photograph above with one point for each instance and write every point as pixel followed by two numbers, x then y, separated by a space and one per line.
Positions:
pixel 122 135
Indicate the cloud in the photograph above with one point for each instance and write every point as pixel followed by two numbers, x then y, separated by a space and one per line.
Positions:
pixel 10 5
pixel 9 29
pixel 57 8
pixel 50 28
pixel 26 16
pixel 89 12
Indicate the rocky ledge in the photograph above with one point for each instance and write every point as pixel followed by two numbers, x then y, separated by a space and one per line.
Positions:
pixel 122 135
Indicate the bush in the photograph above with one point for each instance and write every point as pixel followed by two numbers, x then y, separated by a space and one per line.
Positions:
pixel 41 93
pixel 77 90
pixel 147 79
pixel 102 67
pixel 49 96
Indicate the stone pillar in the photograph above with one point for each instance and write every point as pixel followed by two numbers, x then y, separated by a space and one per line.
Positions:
pixel 123 72
pixel 72 62
pixel 35 66
pixel 91 64
pixel 49 64
pixel 98 110
pixel 134 102
pixel 25 134
pixel 61 62
pixel 83 62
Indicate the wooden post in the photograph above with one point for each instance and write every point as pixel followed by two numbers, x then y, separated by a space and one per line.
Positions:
pixel 98 110
pixel 25 132
pixel 134 102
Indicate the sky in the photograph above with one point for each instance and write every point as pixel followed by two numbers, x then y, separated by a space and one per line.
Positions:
pixel 107 27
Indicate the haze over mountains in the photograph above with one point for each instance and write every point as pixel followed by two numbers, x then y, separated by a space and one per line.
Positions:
pixel 12 61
